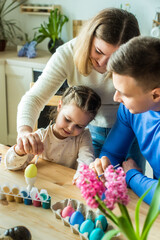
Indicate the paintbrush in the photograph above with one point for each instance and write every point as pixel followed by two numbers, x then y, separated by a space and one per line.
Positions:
pixel 113 167
pixel 43 140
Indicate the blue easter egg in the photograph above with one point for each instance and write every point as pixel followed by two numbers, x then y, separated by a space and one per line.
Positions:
pixel 76 218
pixel 87 226
pixel 103 221
pixel 96 234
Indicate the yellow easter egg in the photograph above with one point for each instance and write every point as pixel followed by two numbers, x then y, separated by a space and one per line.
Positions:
pixel 31 171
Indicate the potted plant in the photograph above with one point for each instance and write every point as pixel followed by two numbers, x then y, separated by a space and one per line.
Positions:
pixel 9 27
pixel 114 191
pixel 52 30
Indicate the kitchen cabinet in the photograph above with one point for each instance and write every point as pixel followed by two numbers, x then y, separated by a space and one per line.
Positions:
pixel 17 81
pixel 16 75
pixel 3 117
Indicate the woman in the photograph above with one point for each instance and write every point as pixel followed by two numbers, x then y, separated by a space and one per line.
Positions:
pixel 82 61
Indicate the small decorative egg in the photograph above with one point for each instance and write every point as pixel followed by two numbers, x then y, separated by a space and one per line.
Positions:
pixel 76 218
pixel 103 221
pixel 18 232
pixel 67 211
pixel 87 226
pixel 31 171
pixel 96 234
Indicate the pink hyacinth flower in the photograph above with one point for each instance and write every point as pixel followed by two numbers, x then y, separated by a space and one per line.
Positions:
pixel 90 186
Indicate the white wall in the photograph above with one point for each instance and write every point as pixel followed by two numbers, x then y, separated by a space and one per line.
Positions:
pixel 83 9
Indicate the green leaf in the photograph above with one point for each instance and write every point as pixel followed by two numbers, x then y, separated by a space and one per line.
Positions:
pixel 110 234
pixel 125 213
pixel 137 211
pixel 153 212
pixel 104 209
pixel 53 28
pixel 8 27
pixel 126 228
pixel 14 4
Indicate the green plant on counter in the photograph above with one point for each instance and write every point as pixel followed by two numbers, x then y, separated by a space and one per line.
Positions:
pixel 8 27
pixel 52 29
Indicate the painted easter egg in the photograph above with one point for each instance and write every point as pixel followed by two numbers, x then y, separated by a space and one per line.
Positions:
pixel 103 221
pixel 67 211
pixel 76 218
pixel 87 226
pixel 31 171
pixel 96 234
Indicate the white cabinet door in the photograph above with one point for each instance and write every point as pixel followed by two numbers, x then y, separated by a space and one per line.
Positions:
pixel 17 83
pixel 3 114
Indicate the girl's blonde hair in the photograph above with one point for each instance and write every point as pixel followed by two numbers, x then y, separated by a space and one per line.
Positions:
pixel 114 26
pixel 83 97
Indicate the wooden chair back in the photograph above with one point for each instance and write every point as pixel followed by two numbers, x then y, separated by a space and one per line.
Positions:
pixel 77 25
pixel 54 100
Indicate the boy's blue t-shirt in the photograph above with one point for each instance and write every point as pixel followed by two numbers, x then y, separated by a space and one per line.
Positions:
pixel 146 127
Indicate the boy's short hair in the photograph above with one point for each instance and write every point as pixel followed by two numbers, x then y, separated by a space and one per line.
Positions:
pixel 139 58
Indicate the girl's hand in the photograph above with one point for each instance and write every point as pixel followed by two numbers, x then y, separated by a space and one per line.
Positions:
pixel 29 142
pixel 74 181
pixel 19 151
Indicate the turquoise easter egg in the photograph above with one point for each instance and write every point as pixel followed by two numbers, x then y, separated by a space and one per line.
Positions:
pixel 76 218
pixel 103 221
pixel 87 226
pixel 96 234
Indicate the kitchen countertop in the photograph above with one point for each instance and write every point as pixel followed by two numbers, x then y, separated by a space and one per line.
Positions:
pixel 38 63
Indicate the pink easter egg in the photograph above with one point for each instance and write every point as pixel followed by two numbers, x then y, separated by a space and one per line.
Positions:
pixel 67 211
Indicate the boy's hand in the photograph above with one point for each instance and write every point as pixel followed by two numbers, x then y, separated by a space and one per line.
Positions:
pixel 130 164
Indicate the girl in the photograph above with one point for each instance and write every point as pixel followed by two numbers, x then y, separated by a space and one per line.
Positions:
pixel 66 142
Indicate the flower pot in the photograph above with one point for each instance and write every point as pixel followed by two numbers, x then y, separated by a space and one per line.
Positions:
pixel 58 43
pixel 2 44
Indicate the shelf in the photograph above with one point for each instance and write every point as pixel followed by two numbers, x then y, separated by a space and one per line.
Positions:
pixel 38 9
pixel 156 22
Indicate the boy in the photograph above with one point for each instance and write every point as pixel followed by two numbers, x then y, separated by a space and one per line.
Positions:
pixel 136 77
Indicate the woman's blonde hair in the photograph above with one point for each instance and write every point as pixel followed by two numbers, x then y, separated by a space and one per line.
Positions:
pixel 114 26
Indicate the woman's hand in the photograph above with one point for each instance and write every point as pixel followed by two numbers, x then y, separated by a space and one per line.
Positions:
pixel 28 142
pixel 99 165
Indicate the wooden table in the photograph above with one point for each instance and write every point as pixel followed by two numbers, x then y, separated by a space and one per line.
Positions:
pixel 57 180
